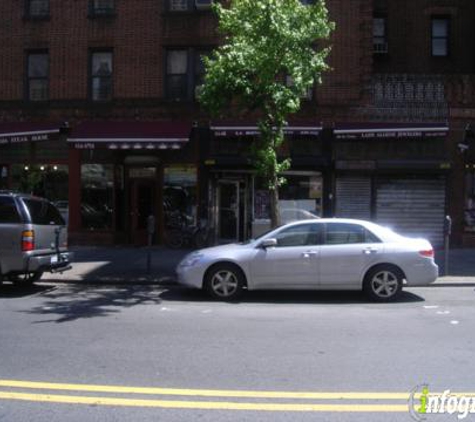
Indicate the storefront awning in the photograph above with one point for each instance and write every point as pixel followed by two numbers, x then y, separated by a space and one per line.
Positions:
pixel 130 135
pixel 390 130
pixel 230 129
pixel 18 132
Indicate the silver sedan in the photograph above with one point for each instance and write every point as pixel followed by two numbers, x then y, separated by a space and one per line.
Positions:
pixel 324 254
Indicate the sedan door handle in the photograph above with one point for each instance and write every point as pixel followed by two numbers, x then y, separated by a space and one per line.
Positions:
pixel 309 254
pixel 369 251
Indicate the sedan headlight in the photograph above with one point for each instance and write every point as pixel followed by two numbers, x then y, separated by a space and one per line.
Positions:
pixel 191 260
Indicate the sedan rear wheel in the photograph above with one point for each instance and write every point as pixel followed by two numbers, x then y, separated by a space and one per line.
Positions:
pixel 383 283
pixel 224 281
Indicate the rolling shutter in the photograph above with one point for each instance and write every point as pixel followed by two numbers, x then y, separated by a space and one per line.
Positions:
pixel 353 197
pixel 414 208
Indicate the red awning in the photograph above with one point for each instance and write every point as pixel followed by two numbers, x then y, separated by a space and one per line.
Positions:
pixel 390 130
pixel 230 129
pixel 17 132
pixel 130 135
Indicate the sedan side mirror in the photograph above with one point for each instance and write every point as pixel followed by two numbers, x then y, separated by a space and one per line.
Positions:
pixel 268 243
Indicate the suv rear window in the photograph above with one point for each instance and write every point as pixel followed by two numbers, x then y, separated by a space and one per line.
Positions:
pixel 43 213
pixel 8 211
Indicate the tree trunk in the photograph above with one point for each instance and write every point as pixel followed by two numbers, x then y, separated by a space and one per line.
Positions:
pixel 274 204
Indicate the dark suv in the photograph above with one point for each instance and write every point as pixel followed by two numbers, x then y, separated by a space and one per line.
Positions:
pixel 33 238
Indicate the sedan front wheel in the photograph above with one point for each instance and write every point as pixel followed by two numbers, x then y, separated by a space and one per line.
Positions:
pixel 383 283
pixel 224 281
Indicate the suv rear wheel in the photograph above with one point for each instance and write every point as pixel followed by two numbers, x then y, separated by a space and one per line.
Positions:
pixel 26 279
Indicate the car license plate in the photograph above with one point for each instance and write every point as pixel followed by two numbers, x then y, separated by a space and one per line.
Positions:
pixel 54 259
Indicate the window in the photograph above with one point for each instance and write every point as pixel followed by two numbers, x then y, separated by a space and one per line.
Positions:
pixel 307 95
pixel 302 235
pixel 101 7
pixel 469 212
pixel 303 193
pixel 43 213
pixel 179 195
pixel 440 37
pixel 101 76
pixel 177 70
pixel 48 181
pixel 346 234
pixel 380 43
pixel 184 74
pixel 37 8
pixel 97 193
pixel 8 211
pixel 38 72
pixel 188 5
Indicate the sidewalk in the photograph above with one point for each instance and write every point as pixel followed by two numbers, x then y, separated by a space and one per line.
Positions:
pixel 121 265
pixel 128 265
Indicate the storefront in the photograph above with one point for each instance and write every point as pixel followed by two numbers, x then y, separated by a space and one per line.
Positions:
pixel 34 159
pixel 394 174
pixel 239 199
pixel 121 173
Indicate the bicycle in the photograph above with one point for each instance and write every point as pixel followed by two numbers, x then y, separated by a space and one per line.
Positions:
pixel 197 236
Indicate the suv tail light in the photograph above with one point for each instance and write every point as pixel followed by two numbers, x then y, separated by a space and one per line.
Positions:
pixel 27 240
pixel 428 253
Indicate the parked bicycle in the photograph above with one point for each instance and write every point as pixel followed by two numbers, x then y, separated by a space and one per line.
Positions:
pixel 193 236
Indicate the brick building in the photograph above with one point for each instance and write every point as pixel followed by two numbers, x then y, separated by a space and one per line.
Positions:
pixel 97 112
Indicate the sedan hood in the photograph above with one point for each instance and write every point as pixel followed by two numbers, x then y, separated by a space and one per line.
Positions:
pixel 221 249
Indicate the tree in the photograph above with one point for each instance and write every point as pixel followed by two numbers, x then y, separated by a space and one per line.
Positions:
pixel 267 44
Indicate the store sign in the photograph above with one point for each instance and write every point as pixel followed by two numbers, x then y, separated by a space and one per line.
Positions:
pixel 17 139
pixel 383 134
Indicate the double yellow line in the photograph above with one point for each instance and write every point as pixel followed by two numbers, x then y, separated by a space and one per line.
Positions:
pixel 220 398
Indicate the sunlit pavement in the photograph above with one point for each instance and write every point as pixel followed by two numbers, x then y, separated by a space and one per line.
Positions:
pixel 145 352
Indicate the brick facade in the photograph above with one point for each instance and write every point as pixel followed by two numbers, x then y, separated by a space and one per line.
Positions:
pixel 405 84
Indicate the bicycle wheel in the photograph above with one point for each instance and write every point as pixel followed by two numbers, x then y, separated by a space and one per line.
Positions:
pixel 201 238
pixel 174 238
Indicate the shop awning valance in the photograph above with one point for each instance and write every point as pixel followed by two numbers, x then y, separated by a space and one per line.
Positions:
pixel 130 135
pixel 18 132
pixel 230 129
pixel 390 130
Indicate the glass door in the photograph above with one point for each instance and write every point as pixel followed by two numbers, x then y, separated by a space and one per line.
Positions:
pixel 228 211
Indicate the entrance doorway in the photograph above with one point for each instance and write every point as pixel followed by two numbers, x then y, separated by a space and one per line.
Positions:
pixel 232 211
pixel 142 204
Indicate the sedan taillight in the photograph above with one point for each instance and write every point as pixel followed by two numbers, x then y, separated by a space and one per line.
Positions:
pixel 27 240
pixel 427 253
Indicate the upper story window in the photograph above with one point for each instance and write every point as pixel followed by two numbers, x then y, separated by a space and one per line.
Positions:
pixel 101 75
pixel 38 76
pixel 37 8
pixel 185 74
pixel 440 36
pixel 177 75
pixel 188 5
pixel 307 95
pixel 380 41
pixel 101 7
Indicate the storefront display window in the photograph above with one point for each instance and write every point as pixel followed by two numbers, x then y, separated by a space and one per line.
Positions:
pixel 299 198
pixel 49 181
pixel 97 196
pixel 470 199
pixel 179 195
pixel 3 177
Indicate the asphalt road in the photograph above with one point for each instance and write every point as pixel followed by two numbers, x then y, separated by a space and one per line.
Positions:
pixel 173 355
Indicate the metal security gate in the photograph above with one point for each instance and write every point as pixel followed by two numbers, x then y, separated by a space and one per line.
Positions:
pixel 353 197
pixel 413 207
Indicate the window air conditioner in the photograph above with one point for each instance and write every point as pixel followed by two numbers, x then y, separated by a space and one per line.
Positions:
pixel 203 4
pixel 380 48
